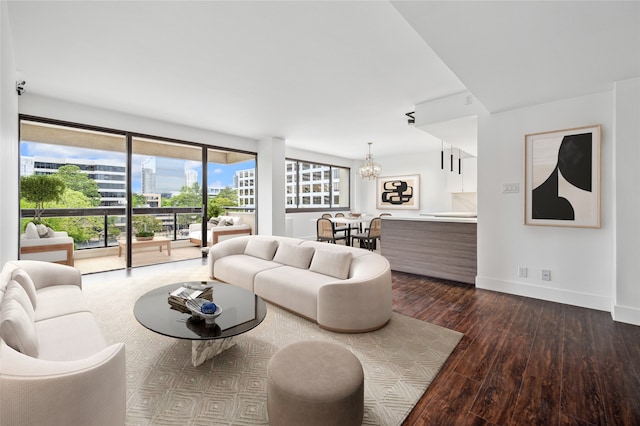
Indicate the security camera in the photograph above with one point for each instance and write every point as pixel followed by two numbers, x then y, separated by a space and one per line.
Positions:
pixel 412 118
pixel 20 87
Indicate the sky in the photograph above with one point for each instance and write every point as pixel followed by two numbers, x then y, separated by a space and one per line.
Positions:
pixel 170 173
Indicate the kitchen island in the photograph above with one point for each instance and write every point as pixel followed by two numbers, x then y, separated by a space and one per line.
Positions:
pixel 436 246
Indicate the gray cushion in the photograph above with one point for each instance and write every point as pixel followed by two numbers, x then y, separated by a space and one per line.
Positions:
pixel 17 330
pixel 16 292
pixel 44 231
pixel 261 247
pixel 333 263
pixel 291 255
pixel 22 278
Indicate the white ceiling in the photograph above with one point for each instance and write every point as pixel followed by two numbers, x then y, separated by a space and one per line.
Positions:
pixel 326 76
pixel 511 54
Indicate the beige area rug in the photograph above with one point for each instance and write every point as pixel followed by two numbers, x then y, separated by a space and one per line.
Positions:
pixel 163 388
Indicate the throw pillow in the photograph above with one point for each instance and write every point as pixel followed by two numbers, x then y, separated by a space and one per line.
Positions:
pixel 16 292
pixel 52 233
pixel 291 255
pixel 261 247
pixel 21 277
pixel 31 231
pixel 16 329
pixel 214 220
pixel 222 222
pixel 333 263
pixel 43 231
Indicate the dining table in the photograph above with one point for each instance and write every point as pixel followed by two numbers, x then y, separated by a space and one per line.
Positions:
pixel 351 220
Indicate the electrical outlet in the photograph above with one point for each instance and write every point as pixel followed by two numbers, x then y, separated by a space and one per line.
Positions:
pixel 545 275
pixel 522 271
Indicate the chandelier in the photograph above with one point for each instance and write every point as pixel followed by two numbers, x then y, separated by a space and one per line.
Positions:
pixel 369 169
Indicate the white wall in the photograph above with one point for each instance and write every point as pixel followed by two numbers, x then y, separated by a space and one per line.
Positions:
pixel 581 260
pixel 626 306
pixel 434 196
pixel 271 175
pixel 9 171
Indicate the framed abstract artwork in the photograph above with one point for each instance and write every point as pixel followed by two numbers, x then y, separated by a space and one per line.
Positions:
pixel 398 192
pixel 562 178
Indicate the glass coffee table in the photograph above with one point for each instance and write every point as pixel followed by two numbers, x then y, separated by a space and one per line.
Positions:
pixel 241 311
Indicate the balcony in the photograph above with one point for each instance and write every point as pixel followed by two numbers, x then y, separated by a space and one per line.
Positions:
pixel 106 259
pixel 103 230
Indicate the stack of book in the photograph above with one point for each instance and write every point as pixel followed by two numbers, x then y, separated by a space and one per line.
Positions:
pixel 178 298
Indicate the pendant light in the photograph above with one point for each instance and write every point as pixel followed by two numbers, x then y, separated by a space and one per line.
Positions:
pixel 369 169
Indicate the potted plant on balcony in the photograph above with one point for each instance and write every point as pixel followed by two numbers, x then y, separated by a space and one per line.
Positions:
pixel 145 227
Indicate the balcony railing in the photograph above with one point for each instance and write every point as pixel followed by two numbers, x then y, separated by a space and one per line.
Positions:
pixel 103 226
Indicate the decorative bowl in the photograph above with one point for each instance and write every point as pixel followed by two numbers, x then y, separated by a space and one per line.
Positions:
pixel 195 306
pixel 355 214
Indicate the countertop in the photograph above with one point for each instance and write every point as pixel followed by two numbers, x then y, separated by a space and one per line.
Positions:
pixel 432 218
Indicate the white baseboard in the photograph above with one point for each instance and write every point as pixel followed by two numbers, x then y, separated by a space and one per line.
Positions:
pixel 583 300
pixel 626 314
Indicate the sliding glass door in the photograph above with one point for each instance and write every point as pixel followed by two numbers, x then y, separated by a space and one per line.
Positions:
pixel 89 205
pixel 166 200
pixel 129 200
pixel 231 192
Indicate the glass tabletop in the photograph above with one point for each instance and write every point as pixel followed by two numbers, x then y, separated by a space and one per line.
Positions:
pixel 241 311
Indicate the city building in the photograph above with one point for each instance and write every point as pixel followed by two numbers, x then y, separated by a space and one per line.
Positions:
pixel 109 175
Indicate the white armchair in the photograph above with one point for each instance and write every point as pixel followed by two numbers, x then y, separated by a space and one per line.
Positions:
pixel 56 367
pixel 57 248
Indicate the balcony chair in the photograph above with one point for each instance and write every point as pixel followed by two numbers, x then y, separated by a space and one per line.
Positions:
pixel 52 246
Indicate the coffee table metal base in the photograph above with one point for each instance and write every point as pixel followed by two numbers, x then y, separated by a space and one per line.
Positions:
pixel 202 350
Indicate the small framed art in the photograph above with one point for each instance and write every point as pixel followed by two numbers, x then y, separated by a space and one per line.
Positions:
pixel 562 178
pixel 398 192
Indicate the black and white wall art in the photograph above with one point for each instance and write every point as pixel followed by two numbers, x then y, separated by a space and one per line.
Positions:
pixel 562 178
pixel 398 192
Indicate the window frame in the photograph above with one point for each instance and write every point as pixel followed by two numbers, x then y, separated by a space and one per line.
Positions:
pixel 298 187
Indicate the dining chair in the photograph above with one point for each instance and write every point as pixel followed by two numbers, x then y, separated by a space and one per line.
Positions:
pixel 326 231
pixel 325 215
pixel 369 237
pixel 385 214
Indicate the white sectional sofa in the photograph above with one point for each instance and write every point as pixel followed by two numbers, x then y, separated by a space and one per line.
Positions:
pixel 231 227
pixel 341 288
pixel 55 366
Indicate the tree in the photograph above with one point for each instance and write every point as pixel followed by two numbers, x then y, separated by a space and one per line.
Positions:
pixel 40 189
pixel 138 200
pixel 189 196
pixel 226 197
pixel 78 181
pixel 80 228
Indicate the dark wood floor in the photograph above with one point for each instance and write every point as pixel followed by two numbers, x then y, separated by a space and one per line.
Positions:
pixel 523 361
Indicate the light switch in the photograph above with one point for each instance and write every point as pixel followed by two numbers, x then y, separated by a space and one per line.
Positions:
pixel 510 188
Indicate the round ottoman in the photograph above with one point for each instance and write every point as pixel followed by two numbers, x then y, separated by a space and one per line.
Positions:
pixel 315 383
